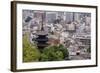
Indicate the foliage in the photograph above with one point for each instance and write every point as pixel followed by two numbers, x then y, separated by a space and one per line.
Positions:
pixel 30 52
pixel 64 50
pixel 51 53
pixel 89 50
pixel 54 53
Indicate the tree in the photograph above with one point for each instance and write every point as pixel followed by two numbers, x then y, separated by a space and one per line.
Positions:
pixel 54 53
pixel 64 50
pixel 30 51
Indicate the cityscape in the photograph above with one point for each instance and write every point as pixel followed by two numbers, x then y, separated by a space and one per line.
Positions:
pixel 72 30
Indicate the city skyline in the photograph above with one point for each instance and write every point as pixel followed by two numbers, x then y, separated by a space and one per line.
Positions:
pixel 71 29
